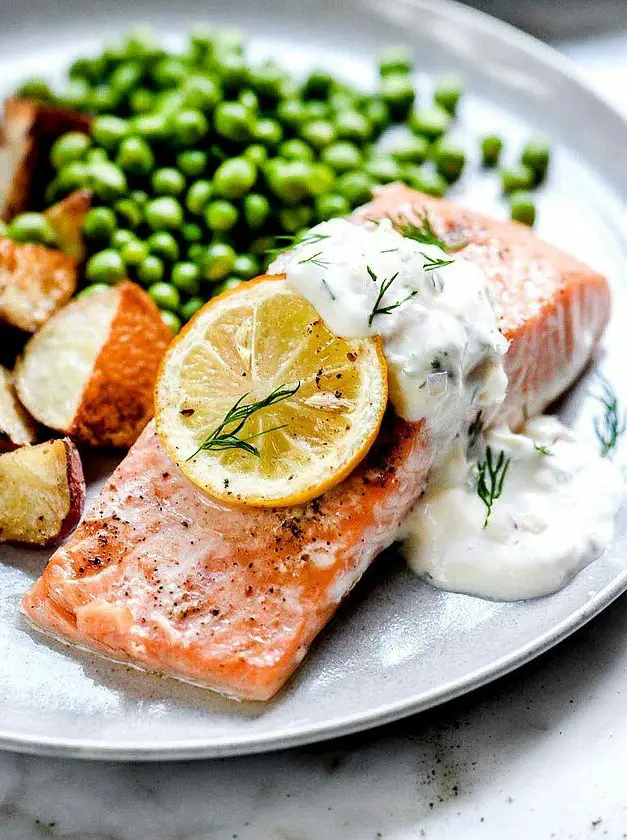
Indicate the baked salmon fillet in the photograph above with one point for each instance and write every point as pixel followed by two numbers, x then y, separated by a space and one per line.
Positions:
pixel 161 575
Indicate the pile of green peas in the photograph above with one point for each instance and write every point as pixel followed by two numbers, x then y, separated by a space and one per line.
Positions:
pixel 197 161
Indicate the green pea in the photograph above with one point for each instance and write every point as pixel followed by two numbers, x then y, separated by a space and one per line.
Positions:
pixel 317 110
pixel 234 177
pixel 450 159
pixel 321 179
pixel 106 180
pixel 351 125
pixel 330 205
pixel 162 244
pixel 140 197
pixel 73 176
pixel 355 187
pixel 135 156
pixel 198 195
pixel 191 232
pixel 191 307
pixel 221 215
pixel 134 252
pixel 152 127
pixel 536 155
pixel 169 72
pixel 246 266
pixel 376 110
pixel 296 149
pixel 103 99
pixel 256 210
pixel 292 112
pixel 68 148
pixel 431 182
pixel 231 68
pixel 126 76
pixel 151 270
pixel 267 79
pixel 289 180
pixel 120 238
pixel 186 277
pixel 318 84
pixel 109 131
pixel 89 69
pixel 383 169
pixel 31 227
pixel 99 224
pixel 35 89
pixel 188 127
pixel 398 93
pixel 129 212
pixel 168 181
pixel 342 157
pixel 256 153
pixel 196 252
pixel 105 267
pixel 164 213
pixel 202 92
pixel 172 321
pixel 233 121
pixel 411 148
pixel 343 100
pixel 218 261
pixel 320 133
pixel 140 43
pixel 267 131
pixel 228 285
pixel 517 177
pixel 447 93
pixel 141 101
pixel 249 99
pixel 395 60
pixel 295 218
pixel 96 156
pixel 522 207
pixel 93 288
pixel 76 95
pixel 432 121
pixel 192 162
pixel 491 148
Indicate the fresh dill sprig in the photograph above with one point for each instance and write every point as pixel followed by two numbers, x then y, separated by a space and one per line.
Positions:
pixel 315 261
pixel 385 285
pixel 612 423
pixel 431 263
pixel 542 450
pixel 490 479
pixel 424 233
pixel 222 438
pixel 293 240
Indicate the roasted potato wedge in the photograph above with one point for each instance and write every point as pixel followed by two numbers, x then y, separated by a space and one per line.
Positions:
pixel 28 132
pixel 16 426
pixel 91 370
pixel 34 282
pixel 66 218
pixel 42 492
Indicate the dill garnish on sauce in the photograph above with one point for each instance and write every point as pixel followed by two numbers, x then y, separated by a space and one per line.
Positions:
pixel 292 241
pixel 424 233
pixel 490 478
pixel 383 288
pixel 222 438
pixel 612 423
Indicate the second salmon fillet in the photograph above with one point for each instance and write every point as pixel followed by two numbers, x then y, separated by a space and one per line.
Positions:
pixel 231 598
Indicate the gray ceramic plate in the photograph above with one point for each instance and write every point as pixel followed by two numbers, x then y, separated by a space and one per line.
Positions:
pixel 397 646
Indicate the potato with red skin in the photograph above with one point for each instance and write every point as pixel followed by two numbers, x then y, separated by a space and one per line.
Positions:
pixel 17 427
pixel 42 493
pixel 90 372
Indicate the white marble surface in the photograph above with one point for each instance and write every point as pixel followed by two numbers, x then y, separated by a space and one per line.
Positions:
pixel 539 754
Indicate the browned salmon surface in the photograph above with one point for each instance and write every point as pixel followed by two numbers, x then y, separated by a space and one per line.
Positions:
pixel 162 575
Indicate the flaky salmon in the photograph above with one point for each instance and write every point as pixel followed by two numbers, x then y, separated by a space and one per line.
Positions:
pixel 231 598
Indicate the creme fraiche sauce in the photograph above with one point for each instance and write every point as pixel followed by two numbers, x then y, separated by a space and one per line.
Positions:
pixel 445 353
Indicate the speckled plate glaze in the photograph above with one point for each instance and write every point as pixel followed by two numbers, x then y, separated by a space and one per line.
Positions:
pixel 397 646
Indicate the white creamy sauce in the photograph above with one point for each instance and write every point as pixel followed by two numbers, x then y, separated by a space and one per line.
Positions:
pixel 555 515
pixel 442 345
pixel 445 363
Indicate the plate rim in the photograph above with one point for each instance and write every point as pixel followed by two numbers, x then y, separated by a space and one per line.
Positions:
pixel 240 745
